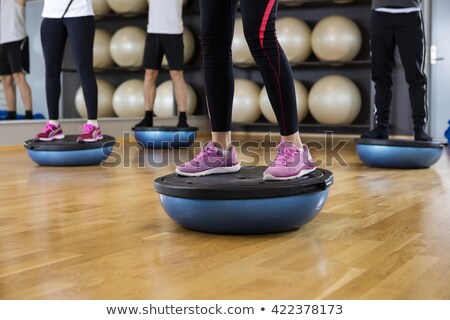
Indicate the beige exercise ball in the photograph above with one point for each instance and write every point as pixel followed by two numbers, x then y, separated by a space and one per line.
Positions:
pixel 294 36
pixel 336 38
pixel 100 7
pixel 105 97
pixel 334 100
pixel 128 99
pixel 242 56
pixel 102 56
pixel 128 6
pixel 246 101
pixel 127 46
pixel 301 97
pixel 165 100
pixel 189 47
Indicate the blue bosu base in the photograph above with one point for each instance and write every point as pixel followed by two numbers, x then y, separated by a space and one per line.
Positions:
pixel 242 203
pixel 68 152
pixel 165 137
pixel 398 154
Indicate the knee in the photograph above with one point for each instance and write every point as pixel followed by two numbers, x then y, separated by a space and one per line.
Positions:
pixel 86 72
pixel 254 42
pixel 216 46
pixel 7 81
pixel 176 75
pixel 150 76
pixel 19 78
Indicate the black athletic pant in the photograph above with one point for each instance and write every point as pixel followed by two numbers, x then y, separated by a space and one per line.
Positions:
pixel 54 33
pixel 406 31
pixel 217 24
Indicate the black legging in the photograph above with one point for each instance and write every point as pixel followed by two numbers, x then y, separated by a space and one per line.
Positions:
pixel 217 24
pixel 54 33
pixel 406 31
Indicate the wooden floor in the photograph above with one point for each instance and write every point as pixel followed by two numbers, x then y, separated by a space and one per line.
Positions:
pixel 100 233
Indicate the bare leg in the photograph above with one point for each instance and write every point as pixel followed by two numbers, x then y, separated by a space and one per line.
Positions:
pixel 222 138
pixel 180 89
pixel 25 90
pixel 150 88
pixel 293 138
pixel 9 90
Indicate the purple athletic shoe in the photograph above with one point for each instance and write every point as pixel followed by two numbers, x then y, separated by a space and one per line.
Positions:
pixel 210 161
pixel 290 163
pixel 50 133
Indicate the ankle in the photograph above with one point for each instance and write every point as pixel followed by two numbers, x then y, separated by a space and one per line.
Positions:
pixel 93 122
pixel 28 114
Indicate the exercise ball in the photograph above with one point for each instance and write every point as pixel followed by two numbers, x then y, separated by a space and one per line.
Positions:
pixel 102 57
pixel 188 50
pixel 105 97
pixel 336 38
pixel 127 46
pixel 334 100
pixel 294 36
pixel 165 100
pixel 242 56
pixel 246 101
pixel 100 7
pixel 128 6
pixel 128 99
pixel 301 96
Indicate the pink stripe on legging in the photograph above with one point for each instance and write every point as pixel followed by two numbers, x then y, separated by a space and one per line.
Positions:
pixel 262 29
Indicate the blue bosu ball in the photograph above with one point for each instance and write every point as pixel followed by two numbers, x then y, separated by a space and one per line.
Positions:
pixel 242 202
pixel 165 137
pixel 69 152
pixel 398 154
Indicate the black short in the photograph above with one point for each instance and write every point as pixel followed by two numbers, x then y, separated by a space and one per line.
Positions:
pixel 157 45
pixel 14 57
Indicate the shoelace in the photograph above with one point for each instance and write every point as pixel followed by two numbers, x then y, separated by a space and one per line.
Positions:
pixel 48 128
pixel 86 128
pixel 284 155
pixel 206 151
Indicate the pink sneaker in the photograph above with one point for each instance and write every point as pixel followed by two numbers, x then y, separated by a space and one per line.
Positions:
pixel 210 161
pixel 89 133
pixel 49 133
pixel 290 163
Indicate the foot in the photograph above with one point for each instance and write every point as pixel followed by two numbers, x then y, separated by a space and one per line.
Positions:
pixel 28 115
pixel 377 133
pixel 89 133
pixel 291 162
pixel 11 116
pixel 50 132
pixel 420 135
pixel 182 124
pixel 144 123
pixel 210 160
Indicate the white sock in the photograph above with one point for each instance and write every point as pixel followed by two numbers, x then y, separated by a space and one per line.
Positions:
pixel 93 122
pixel 54 122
